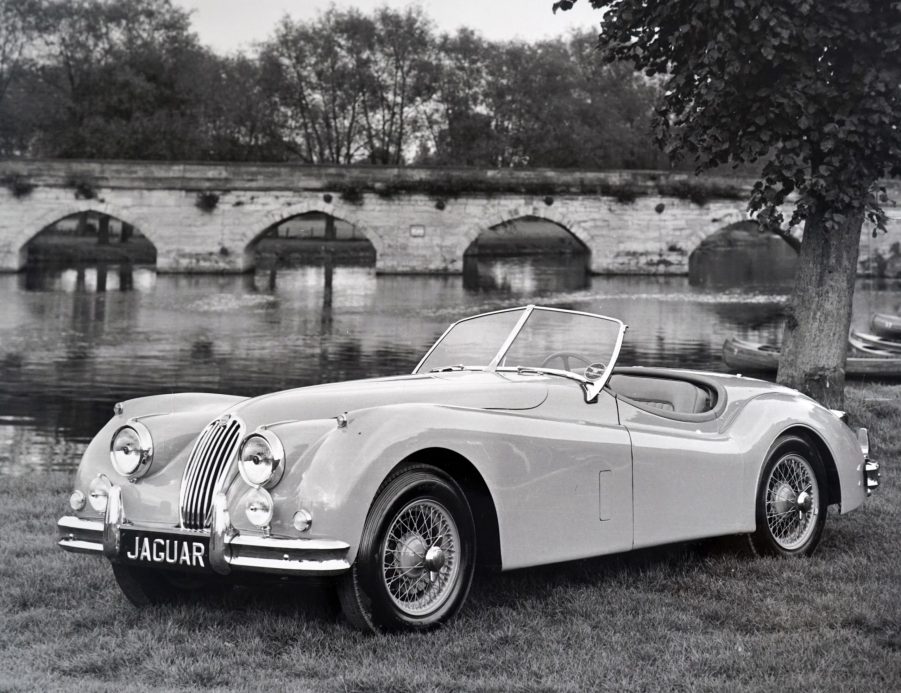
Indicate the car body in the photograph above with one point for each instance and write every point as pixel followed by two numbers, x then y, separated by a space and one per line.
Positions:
pixel 516 442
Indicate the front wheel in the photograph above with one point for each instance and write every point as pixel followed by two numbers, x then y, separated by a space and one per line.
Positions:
pixel 417 554
pixel 791 500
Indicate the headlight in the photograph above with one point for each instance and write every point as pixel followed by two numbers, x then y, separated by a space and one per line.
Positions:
pixel 259 507
pixel 261 459
pixel 98 493
pixel 131 450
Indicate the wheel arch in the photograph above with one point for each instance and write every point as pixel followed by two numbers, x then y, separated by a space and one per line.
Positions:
pixel 819 444
pixel 478 495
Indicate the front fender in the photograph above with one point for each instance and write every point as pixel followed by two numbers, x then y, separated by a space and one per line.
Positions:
pixel 174 422
pixel 343 470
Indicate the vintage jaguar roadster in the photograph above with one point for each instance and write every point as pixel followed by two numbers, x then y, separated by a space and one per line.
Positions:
pixel 515 442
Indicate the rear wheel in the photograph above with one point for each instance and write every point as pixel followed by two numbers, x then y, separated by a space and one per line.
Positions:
pixel 417 554
pixel 791 500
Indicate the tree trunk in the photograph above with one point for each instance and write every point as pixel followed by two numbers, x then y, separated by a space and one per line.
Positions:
pixel 815 342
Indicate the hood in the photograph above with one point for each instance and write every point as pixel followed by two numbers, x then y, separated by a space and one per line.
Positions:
pixel 475 389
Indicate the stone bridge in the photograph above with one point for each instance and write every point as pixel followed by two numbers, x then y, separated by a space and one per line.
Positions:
pixel 206 217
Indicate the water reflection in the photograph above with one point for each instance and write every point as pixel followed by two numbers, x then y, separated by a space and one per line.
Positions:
pixel 525 274
pixel 97 278
pixel 69 349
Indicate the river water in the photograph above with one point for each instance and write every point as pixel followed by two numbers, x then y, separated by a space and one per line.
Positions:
pixel 74 342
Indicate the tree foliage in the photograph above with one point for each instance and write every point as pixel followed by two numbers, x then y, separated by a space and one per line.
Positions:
pixel 128 79
pixel 810 89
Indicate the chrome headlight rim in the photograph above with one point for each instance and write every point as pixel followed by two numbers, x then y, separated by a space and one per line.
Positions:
pixel 145 443
pixel 277 454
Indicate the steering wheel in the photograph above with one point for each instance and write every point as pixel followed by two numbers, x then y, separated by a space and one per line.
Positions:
pixel 565 356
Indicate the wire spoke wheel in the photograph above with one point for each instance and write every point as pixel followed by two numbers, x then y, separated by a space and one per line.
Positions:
pixel 417 554
pixel 792 501
pixel 420 557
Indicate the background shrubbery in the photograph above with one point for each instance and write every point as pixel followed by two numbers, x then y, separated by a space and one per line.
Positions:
pixel 128 79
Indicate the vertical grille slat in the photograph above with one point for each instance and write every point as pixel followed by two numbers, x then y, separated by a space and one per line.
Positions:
pixel 195 467
pixel 204 464
pixel 209 461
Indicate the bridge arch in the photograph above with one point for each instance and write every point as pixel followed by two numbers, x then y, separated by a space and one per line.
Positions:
pixel 32 226
pixel 338 211
pixel 741 253
pixel 505 214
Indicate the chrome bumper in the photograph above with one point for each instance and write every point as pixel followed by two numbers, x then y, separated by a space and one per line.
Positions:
pixel 871 475
pixel 229 550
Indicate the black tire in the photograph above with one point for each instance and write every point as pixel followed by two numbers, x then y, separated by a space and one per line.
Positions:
pixel 412 578
pixel 788 522
pixel 148 587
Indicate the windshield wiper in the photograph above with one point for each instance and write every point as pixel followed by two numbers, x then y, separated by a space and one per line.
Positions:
pixel 446 369
pixel 533 370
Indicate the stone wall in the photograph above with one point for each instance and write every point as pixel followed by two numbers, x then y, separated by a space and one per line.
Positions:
pixel 418 220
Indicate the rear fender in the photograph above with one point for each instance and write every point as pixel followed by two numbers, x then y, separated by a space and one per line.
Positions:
pixel 766 417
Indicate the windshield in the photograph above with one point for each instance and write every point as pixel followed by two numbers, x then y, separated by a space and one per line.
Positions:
pixel 547 339
pixel 473 342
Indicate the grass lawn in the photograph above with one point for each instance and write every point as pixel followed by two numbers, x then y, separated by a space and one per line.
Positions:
pixel 702 617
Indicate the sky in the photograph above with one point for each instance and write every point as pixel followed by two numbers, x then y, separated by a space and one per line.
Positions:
pixel 231 25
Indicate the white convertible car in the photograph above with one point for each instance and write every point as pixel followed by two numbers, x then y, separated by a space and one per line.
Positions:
pixel 517 441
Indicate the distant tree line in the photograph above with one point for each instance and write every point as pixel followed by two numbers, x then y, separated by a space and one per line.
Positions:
pixel 128 79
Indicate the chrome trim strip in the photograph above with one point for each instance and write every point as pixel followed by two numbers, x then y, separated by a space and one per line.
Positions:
pixel 80 545
pixel 288 544
pixel 289 565
pixel 72 522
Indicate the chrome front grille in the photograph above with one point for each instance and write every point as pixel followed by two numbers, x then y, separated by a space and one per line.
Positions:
pixel 208 463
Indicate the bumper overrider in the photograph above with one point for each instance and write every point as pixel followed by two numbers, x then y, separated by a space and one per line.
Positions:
pixel 228 550
pixel 870 474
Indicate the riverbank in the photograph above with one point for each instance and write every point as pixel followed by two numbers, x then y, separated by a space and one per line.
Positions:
pixel 705 617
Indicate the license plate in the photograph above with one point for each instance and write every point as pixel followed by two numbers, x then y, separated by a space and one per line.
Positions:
pixel 164 550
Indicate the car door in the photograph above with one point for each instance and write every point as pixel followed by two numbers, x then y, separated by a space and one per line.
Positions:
pixel 685 477
pixel 565 491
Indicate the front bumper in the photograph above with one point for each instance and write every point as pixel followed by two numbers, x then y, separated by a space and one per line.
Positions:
pixel 229 550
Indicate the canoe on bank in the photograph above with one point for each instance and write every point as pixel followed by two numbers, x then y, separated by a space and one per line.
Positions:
pixel 886 325
pixel 874 344
pixel 747 357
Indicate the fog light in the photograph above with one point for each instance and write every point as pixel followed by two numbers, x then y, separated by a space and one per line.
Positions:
pixel 76 500
pixel 259 508
pixel 98 494
pixel 302 520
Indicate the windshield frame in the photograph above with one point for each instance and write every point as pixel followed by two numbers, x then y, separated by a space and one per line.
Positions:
pixel 592 387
